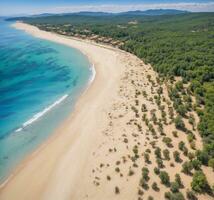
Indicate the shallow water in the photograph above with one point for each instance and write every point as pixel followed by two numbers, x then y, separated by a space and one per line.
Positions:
pixel 39 84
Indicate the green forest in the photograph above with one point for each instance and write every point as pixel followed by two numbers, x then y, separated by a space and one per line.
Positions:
pixel 176 45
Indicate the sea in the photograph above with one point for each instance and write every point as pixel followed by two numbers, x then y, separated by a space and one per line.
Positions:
pixel 40 81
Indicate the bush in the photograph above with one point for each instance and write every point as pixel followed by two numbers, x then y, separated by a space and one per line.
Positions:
pixel 158 152
pixel 144 184
pixel 166 154
pixel 167 141
pixel 178 180
pixel 191 195
pixel 117 169
pixel 196 164
pixel 202 156
pixel 199 182
pixel 150 198
pixel 155 186
pixel 117 190
pixel 156 170
pixel 164 178
pixel 174 196
pixel 147 158
pixel 179 124
pixel 181 145
pixel 191 155
pixel 145 173
pixel 176 156
pixel 174 187
pixel 187 167
pixel 211 163
pixel 159 163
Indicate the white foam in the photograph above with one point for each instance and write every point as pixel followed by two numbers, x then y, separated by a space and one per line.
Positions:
pixel 43 112
pixel 92 68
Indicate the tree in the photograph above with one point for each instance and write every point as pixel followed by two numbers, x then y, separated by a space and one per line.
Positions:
pixel 164 178
pixel 155 186
pixel 190 195
pixel 179 124
pixel 187 167
pixel 202 156
pixel 176 156
pixel 160 163
pixel 199 182
pixel 145 173
pixel 211 163
pixel 178 180
pixel 181 145
pixel 196 164
pixel 166 154
pixel 158 152
pixel 156 170
pixel 174 187
pixel 167 141
pixel 117 190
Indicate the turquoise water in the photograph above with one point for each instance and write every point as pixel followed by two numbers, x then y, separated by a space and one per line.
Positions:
pixel 39 84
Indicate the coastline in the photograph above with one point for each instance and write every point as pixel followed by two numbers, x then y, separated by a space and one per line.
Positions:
pixel 84 96
pixel 82 158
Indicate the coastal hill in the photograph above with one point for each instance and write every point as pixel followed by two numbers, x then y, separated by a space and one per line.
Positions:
pixel 151 12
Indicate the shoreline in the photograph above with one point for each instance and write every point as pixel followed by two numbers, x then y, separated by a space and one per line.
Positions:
pixel 58 39
pixel 37 116
pixel 90 156
pixel 53 135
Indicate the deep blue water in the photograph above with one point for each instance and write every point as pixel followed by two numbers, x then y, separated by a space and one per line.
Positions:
pixel 39 83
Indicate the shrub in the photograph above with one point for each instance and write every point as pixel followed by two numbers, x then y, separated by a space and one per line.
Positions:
pixel 159 163
pixel 164 178
pixel 211 163
pixel 131 172
pixel 191 195
pixel 174 187
pixel 145 173
pixel 191 155
pixel 196 164
pixel 150 198
pixel 158 152
pixel 179 124
pixel 174 196
pixel 187 167
pixel 181 145
pixel 117 190
pixel 156 170
pixel 117 169
pixel 155 186
pixel 199 182
pixel 202 156
pixel 176 156
pixel 167 141
pixel 166 154
pixel 146 157
pixel 175 133
pixel 178 180
pixel 144 184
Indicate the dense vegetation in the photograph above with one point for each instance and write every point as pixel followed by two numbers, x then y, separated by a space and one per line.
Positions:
pixel 177 45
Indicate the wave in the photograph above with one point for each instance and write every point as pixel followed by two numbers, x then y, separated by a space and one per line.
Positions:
pixel 40 114
pixel 92 69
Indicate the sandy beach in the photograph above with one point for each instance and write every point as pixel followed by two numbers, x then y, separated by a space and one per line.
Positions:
pixel 80 160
